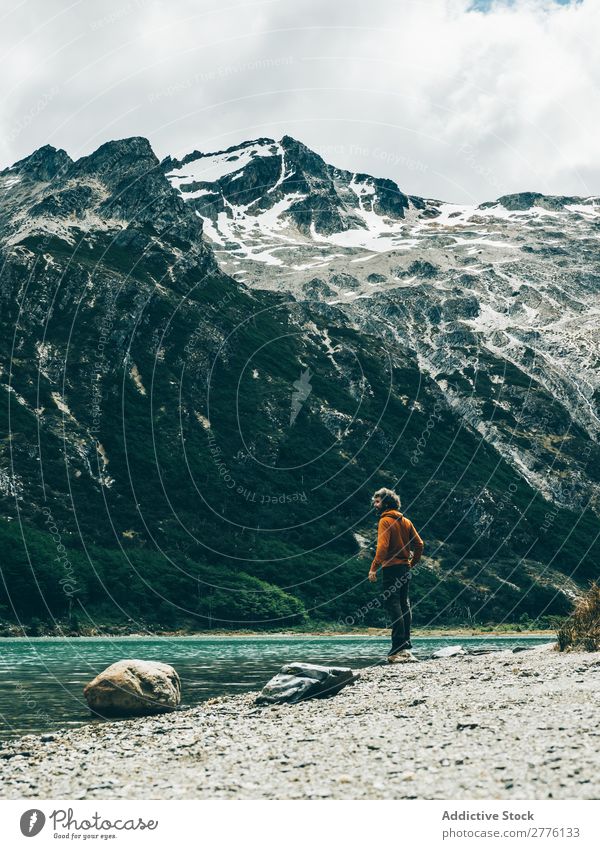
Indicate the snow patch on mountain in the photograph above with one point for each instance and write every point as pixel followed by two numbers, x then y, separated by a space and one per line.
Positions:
pixel 210 167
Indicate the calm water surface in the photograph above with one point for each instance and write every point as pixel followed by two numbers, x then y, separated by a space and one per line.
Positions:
pixel 41 679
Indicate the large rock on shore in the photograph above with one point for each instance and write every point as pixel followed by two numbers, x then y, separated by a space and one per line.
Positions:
pixel 298 681
pixel 134 687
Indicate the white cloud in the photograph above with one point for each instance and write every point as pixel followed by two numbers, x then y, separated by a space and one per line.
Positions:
pixel 450 101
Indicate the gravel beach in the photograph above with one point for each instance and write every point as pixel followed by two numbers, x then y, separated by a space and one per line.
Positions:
pixel 494 726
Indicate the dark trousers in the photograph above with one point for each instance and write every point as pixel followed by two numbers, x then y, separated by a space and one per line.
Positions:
pixel 396 579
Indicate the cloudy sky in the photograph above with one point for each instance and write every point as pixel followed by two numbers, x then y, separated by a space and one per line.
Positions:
pixel 462 100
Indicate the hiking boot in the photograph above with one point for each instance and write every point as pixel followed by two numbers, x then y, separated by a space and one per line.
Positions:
pixel 403 656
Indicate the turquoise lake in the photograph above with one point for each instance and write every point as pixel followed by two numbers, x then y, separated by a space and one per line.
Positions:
pixel 41 679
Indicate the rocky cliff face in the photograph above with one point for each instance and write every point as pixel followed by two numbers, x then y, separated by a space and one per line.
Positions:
pixel 209 364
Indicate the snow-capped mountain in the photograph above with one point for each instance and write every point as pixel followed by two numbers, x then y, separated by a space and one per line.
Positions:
pixel 280 204
pixel 516 278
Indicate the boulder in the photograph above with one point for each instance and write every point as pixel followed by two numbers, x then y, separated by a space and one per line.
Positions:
pixel 449 651
pixel 134 687
pixel 298 681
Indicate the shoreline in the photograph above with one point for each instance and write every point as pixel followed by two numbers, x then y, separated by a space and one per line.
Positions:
pixel 383 633
pixel 499 725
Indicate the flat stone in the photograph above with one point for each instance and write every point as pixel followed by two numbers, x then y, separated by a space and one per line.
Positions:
pixel 298 681
pixel 448 651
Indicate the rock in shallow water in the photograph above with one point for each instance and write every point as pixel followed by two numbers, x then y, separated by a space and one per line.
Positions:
pixel 298 681
pixel 134 687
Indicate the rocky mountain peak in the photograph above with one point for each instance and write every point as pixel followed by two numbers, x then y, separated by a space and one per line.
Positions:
pixel 282 181
pixel 119 191
pixel 115 159
pixel 305 159
pixel 43 164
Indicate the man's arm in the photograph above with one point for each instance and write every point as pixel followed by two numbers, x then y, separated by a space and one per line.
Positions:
pixel 383 545
pixel 416 545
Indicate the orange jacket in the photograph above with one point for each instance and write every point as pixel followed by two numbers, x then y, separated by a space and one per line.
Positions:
pixel 396 538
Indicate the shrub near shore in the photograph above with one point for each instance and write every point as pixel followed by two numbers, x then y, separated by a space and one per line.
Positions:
pixel 582 629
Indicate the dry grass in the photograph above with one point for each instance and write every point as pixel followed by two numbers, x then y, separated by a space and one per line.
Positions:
pixel 581 631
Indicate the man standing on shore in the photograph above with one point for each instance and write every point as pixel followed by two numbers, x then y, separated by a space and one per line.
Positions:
pixel 399 548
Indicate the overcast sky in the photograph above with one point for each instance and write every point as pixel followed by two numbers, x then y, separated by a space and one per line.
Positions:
pixel 454 99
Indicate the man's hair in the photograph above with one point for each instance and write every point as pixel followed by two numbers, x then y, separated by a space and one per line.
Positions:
pixel 390 500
